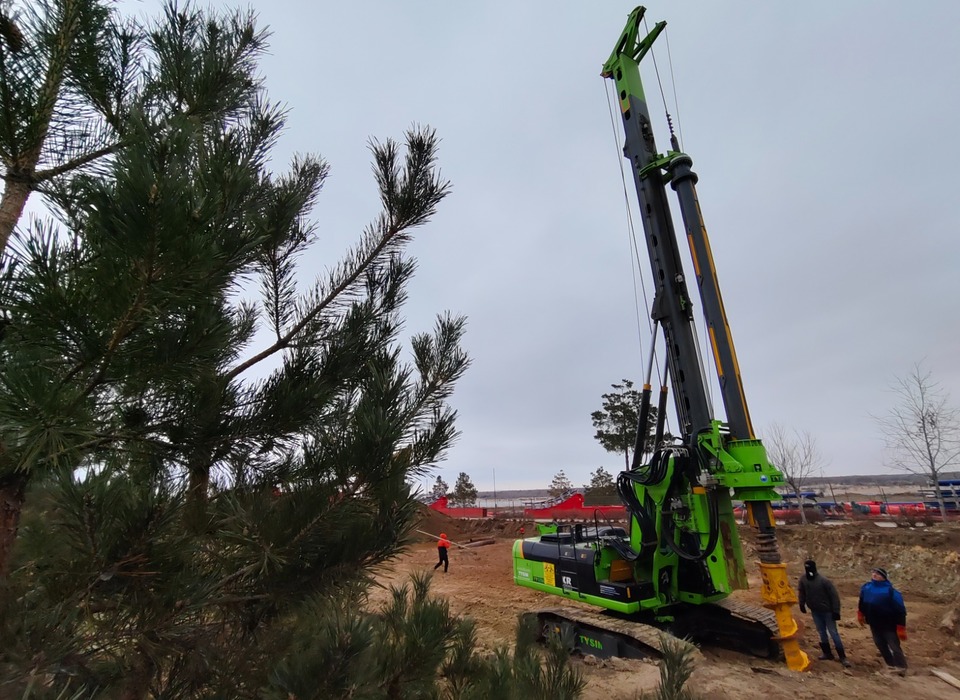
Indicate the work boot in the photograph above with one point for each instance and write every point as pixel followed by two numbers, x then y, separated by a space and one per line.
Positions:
pixel 842 657
pixel 827 655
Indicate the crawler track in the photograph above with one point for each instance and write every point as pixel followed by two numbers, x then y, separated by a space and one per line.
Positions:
pixel 601 634
pixel 728 624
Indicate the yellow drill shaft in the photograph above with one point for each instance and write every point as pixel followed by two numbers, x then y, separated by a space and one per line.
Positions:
pixel 776 592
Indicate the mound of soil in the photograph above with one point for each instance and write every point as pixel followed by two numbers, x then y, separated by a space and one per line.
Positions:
pixel 921 561
pixel 430 523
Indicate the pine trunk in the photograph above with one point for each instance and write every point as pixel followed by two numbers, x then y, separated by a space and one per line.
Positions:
pixel 196 507
pixel 14 199
pixel 12 494
pixel 137 682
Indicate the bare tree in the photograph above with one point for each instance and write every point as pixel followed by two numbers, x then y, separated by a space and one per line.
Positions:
pixel 922 429
pixel 797 456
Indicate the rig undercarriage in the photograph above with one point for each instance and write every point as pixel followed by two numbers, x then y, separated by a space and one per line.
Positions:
pixel 729 624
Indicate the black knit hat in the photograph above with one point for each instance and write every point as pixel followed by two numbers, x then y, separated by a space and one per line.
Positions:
pixel 882 572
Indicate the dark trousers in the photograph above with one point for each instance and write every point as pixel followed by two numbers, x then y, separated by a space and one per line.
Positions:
pixel 887 641
pixel 442 552
pixel 827 625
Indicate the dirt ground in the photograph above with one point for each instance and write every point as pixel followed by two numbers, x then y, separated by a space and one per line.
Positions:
pixel 924 563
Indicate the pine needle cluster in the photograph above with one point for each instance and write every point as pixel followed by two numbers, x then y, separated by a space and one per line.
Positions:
pixel 676 667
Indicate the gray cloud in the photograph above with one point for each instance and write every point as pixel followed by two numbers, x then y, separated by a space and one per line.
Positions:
pixel 825 140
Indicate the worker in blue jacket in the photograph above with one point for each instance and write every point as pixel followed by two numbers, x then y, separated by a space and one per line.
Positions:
pixel 881 606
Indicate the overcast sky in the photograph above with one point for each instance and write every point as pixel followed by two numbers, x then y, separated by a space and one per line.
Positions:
pixel 825 136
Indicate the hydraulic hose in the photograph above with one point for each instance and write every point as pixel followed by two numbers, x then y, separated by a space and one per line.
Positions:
pixel 639 514
pixel 648 475
pixel 669 528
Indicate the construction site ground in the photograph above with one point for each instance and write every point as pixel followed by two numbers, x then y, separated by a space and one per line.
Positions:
pixel 923 561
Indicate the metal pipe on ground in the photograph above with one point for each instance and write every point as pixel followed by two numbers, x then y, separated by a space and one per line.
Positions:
pixel 461 546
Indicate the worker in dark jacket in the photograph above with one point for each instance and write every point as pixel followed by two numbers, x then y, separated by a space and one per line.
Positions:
pixel 881 606
pixel 817 592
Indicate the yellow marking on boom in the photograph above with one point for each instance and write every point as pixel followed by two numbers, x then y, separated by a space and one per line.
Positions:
pixel 716 352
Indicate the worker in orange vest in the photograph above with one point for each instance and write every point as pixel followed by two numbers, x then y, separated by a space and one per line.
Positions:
pixel 442 546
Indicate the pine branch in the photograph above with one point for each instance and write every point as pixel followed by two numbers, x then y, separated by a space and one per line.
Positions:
pixel 408 201
pixel 41 176
pixel 63 39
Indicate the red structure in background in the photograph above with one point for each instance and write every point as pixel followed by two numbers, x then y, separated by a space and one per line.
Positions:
pixel 570 508
pixel 440 505
pixel 573 508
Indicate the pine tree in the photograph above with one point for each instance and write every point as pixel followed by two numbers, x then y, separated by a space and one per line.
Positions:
pixel 602 490
pixel 560 485
pixel 68 84
pixel 78 86
pixel 618 420
pixel 66 73
pixel 412 647
pixel 440 489
pixel 464 492
pixel 176 500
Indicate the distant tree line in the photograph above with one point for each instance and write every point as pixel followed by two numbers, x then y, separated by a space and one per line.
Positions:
pixel 922 431
pixel 464 494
